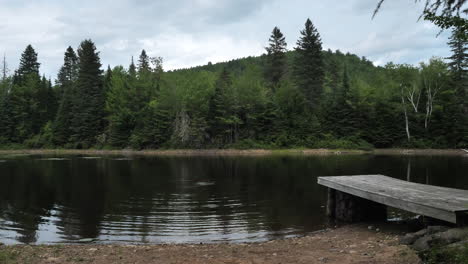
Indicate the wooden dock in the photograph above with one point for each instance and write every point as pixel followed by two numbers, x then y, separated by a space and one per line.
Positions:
pixel 355 198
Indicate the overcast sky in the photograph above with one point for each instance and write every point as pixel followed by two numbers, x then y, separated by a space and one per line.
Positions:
pixel 192 32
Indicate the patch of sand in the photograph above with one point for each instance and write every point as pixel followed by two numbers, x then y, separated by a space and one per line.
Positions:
pixel 350 244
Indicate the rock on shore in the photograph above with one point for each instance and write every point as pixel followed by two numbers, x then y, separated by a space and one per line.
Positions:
pixel 440 244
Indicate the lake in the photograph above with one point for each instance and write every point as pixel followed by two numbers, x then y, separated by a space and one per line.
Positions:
pixel 141 199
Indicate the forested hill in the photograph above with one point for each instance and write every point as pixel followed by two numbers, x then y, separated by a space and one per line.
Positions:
pixel 302 98
pixel 333 60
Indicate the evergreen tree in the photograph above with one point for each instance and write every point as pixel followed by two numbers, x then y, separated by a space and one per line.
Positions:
pixel 459 60
pixel 68 73
pixel 457 112
pixel 343 118
pixel 219 115
pixel 7 123
pixel 120 107
pixel 24 106
pixel 308 65
pixel 88 103
pixel 132 69
pixel 276 57
pixel 107 83
pixel 46 103
pixel 143 63
pixel 28 65
pixel 66 79
pixel 62 126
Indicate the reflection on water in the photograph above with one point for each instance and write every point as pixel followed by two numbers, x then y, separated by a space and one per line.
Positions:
pixel 46 199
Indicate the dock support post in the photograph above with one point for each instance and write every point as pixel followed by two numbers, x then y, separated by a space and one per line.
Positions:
pixel 331 203
pixel 350 208
pixel 462 219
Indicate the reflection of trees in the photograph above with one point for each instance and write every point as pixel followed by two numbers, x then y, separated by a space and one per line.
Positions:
pixel 143 198
pixel 25 197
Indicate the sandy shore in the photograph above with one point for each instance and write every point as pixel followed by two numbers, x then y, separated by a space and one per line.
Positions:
pixel 349 244
pixel 234 152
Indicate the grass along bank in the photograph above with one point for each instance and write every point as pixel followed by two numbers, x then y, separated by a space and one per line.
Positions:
pixel 231 152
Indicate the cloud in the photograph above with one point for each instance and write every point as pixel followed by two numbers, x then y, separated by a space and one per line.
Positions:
pixel 192 32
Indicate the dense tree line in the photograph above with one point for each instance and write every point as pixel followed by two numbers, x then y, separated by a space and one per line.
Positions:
pixel 306 97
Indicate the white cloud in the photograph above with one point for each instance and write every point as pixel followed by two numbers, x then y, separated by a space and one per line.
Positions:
pixel 192 32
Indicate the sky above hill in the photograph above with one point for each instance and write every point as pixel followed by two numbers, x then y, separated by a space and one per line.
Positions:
pixel 193 32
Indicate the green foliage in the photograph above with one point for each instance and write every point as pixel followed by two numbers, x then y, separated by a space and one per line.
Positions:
pixel 222 113
pixel 447 255
pixel 331 142
pixel 42 140
pixel 449 21
pixel 284 99
pixel 28 66
pixel 121 112
pixel 308 65
pixel 276 58
pixel 7 257
pixel 89 99
pixel 68 73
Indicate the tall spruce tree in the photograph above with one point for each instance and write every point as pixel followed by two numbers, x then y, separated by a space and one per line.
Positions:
pixel 46 103
pixel 276 57
pixel 309 66
pixel 7 123
pixel 459 60
pixel 24 105
pixel 68 73
pixel 107 82
pixel 66 78
pixel 132 69
pixel 88 102
pixel 28 66
pixel 143 63
pixel 457 118
pixel 219 112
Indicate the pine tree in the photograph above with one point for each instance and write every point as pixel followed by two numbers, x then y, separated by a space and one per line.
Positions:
pixel 132 69
pixel 46 103
pixel 343 119
pixel 66 79
pixel 63 121
pixel 24 106
pixel 143 63
pixel 28 65
pixel 308 65
pixel 107 79
pixel 88 102
pixel 457 118
pixel 7 122
pixel 221 118
pixel 68 73
pixel 276 57
pixel 459 61
pixel 119 106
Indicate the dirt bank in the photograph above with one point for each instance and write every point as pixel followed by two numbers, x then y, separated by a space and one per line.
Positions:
pixel 349 244
pixel 234 152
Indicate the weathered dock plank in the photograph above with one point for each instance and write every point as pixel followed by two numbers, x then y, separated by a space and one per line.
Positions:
pixel 442 203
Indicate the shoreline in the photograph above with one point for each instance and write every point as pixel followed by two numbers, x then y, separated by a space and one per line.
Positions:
pixel 348 244
pixel 235 152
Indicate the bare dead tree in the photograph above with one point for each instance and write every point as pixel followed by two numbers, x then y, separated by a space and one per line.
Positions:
pixel 413 94
pixel 432 88
pixel 4 68
pixel 403 102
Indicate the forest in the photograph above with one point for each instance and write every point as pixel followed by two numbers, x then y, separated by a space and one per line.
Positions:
pixel 304 97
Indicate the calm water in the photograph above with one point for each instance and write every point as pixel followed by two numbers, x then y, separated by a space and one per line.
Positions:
pixel 46 199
